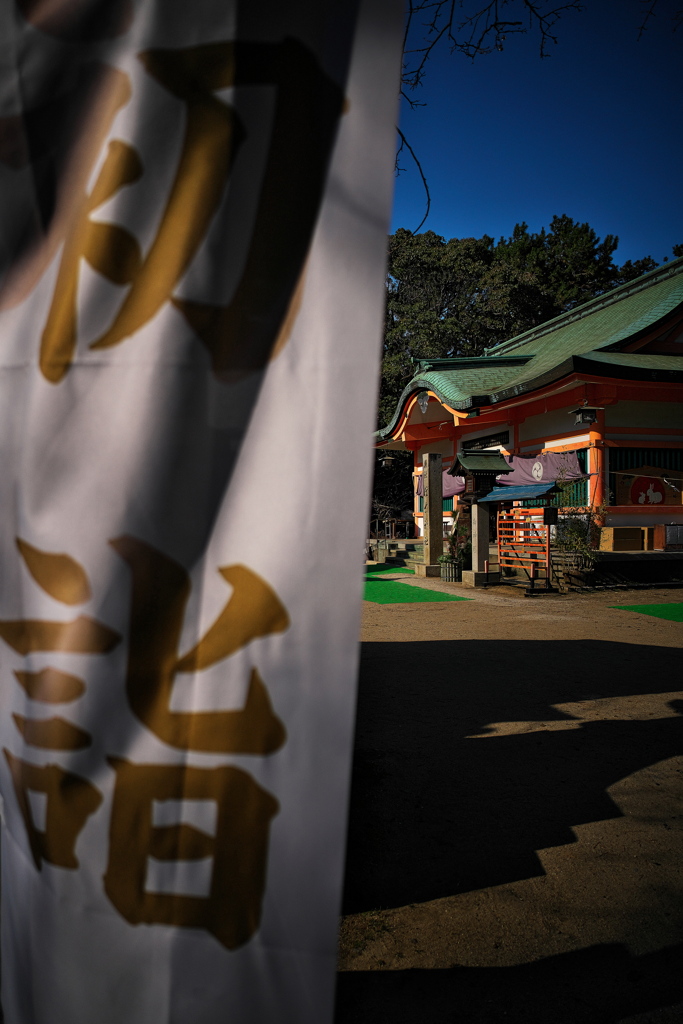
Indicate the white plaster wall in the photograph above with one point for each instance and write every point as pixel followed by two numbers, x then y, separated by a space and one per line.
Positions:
pixel 444 447
pixel 546 424
pixel 645 414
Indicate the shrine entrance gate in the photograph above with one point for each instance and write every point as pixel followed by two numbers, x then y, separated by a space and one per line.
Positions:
pixel 524 541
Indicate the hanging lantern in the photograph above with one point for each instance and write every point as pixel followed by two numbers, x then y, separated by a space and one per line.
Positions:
pixel 585 414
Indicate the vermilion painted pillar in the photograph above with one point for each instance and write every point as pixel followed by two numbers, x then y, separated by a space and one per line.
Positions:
pixel 597 488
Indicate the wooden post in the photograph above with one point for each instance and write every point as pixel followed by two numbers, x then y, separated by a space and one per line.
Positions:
pixel 480 536
pixel 479 575
pixel 433 513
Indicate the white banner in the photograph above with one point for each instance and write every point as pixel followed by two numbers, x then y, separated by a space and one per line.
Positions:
pixel 194 199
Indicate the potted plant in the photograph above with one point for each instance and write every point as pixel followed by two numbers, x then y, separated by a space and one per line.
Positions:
pixel 450 568
pixel 458 553
pixel 576 544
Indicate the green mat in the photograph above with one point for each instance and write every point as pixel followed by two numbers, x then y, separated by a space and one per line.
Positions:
pixel 383 568
pixel 672 612
pixel 393 592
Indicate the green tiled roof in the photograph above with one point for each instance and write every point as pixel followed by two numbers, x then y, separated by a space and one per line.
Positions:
pixel 483 462
pixel 458 386
pixel 593 332
pixel 607 320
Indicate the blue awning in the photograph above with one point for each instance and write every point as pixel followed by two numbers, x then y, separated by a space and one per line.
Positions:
pixel 522 493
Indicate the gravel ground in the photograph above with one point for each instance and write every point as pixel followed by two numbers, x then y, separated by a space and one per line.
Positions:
pixel 516 823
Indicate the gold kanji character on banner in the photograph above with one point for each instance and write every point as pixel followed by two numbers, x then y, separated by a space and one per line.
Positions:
pixel 70 802
pixel 237 851
pixel 161 588
pixel 61 577
pixel 242 336
pixel 69 798
pixel 232 909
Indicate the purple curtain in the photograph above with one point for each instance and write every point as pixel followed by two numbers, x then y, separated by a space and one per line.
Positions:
pixel 526 469
pixel 542 469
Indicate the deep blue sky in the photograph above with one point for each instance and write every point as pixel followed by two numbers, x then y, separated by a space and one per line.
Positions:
pixel 594 131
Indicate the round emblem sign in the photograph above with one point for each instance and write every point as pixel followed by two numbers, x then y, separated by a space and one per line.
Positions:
pixel 537 471
pixel 646 490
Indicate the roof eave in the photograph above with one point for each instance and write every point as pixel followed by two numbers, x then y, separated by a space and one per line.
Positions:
pixel 418 384
pixel 584 364
pixel 623 372
pixel 576 364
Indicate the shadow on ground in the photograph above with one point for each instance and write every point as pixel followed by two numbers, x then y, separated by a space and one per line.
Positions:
pixel 599 985
pixel 435 813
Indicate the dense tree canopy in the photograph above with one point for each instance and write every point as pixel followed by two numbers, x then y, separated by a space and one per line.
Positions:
pixel 460 297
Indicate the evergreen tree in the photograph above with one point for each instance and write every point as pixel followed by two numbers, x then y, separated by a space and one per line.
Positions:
pixel 462 296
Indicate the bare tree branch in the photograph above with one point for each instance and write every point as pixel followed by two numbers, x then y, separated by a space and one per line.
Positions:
pixel 649 10
pixel 428 199
pixel 474 27
pixel 430 23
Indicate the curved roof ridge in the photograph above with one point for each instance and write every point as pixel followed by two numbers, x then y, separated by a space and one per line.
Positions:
pixel 670 269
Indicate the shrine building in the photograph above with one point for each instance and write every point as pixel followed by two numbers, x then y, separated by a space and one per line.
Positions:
pixel 587 409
